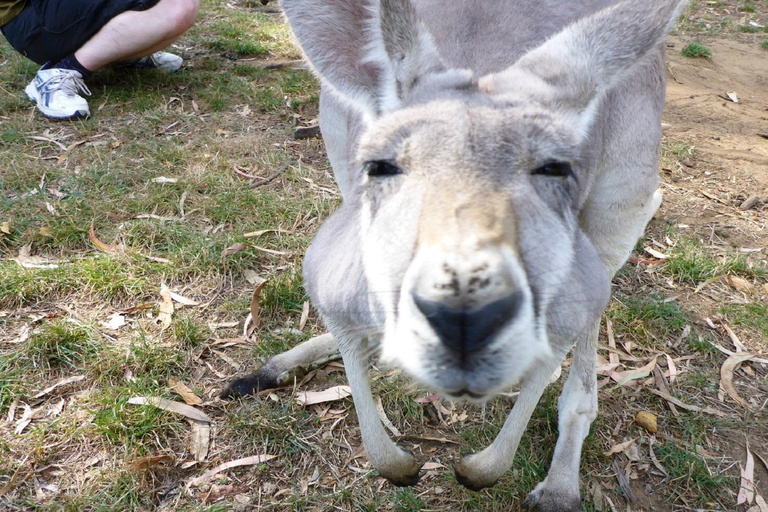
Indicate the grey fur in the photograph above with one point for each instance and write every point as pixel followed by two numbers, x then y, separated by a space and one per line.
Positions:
pixel 526 135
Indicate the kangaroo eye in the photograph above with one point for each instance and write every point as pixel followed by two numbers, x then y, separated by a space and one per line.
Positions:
pixel 381 168
pixel 555 169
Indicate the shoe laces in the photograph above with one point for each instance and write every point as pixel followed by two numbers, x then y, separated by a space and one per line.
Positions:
pixel 68 83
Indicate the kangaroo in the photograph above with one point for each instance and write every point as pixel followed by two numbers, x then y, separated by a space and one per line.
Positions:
pixel 498 160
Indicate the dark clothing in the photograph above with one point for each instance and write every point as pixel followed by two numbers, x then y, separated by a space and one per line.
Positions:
pixel 49 30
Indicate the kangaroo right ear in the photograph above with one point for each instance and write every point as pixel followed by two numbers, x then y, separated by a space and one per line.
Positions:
pixel 372 52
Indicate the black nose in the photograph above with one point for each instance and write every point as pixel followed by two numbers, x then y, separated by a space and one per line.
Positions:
pixel 469 330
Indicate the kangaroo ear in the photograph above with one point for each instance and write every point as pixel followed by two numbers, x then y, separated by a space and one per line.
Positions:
pixel 571 70
pixel 372 52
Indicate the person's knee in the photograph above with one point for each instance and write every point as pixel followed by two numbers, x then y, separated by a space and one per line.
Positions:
pixel 183 14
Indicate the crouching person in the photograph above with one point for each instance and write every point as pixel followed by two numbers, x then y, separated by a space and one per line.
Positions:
pixel 71 39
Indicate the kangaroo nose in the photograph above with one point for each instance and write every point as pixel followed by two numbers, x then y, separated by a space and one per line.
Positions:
pixel 464 330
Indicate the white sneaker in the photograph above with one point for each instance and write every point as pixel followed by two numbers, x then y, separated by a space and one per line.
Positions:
pixel 56 93
pixel 163 61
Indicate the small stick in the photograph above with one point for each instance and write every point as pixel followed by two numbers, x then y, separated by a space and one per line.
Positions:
pixel 275 175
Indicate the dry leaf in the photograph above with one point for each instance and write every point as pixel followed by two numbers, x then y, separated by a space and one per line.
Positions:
pixel 168 405
pixel 5 227
pixel 384 419
pixel 181 389
pixel 618 448
pixel 761 503
pixel 147 463
pixel 305 398
pixel 669 398
pixel 165 307
pixel 115 322
pixel 304 315
pixel 163 179
pixel 62 382
pixel 726 375
pixel 656 254
pixel 200 439
pixel 622 378
pixel 254 234
pixel 733 97
pixel 747 486
pixel 27 261
pixel 740 284
pixel 183 300
pixel 255 320
pixel 253 277
pixel 109 249
pixel 648 421
pixel 234 248
pixel 247 461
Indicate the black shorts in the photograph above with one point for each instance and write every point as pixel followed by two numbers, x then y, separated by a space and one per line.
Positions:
pixel 49 30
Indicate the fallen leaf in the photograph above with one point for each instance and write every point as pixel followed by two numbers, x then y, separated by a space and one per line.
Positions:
pixel 694 408
pixel 254 234
pixel 45 232
pixel 253 277
pixel 5 227
pixel 304 315
pixel 726 375
pixel 234 248
pixel 655 253
pixel 618 448
pixel 200 439
pixel 432 465
pixel 733 97
pixel 165 307
pixel 62 382
pixel 181 389
pixel 622 378
pixel 146 463
pixel 168 405
pixel 255 320
pixel 740 284
pixel 27 261
pixel 163 179
pixel 183 300
pixel 747 486
pixel 384 419
pixel 109 249
pixel 247 461
pixel 648 421
pixel 305 398
pixel 115 322
pixel 761 503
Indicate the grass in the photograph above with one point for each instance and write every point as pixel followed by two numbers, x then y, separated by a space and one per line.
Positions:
pixel 158 174
pixel 764 45
pixel 696 50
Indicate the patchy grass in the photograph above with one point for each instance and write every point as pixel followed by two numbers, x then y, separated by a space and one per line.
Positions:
pixel 161 173
pixel 696 50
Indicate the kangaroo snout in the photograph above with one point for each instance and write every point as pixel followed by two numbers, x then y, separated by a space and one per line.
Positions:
pixel 465 330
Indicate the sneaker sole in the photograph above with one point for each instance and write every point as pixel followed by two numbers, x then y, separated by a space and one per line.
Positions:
pixel 31 93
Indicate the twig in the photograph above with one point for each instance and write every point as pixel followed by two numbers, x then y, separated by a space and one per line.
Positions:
pixel 624 483
pixel 275 175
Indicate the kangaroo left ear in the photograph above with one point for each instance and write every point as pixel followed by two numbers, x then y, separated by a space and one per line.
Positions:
pixel 571 70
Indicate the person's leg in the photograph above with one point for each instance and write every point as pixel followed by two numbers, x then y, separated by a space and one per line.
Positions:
pixel 135 34
pixel 75 38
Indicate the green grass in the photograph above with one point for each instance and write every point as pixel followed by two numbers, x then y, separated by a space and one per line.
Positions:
pixel 764 45
pixel 696 50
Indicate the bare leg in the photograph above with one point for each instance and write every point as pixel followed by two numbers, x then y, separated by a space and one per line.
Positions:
pixel 135 34
pixel 577 409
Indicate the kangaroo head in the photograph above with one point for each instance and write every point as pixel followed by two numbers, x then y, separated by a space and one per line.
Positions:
pixel 463 218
